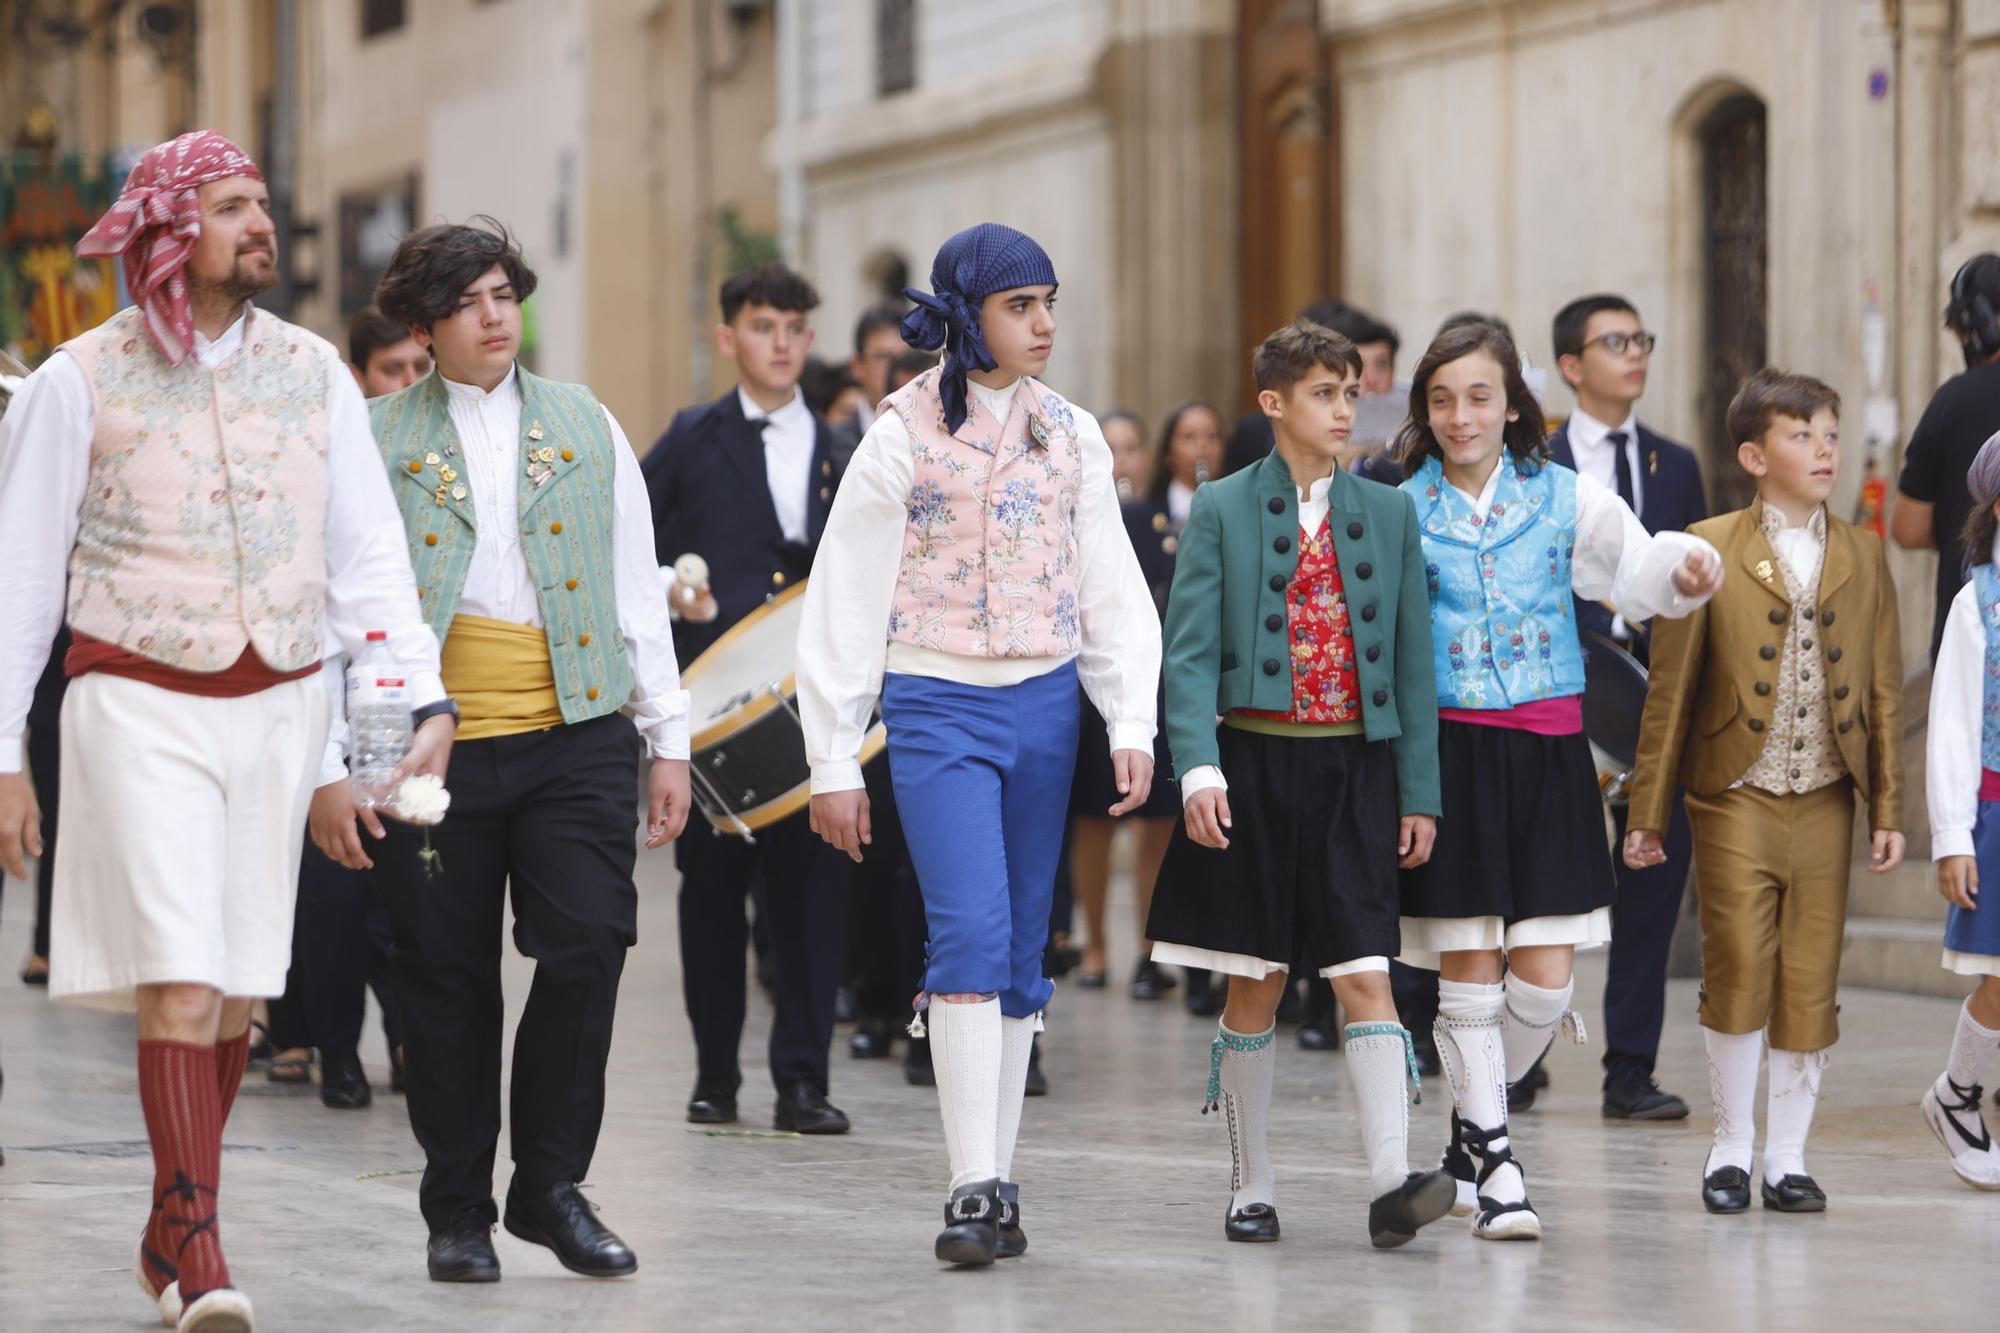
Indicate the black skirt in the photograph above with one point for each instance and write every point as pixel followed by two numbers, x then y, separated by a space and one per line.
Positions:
pixel 1310 870
pixel 1523 830
pixel 1095 788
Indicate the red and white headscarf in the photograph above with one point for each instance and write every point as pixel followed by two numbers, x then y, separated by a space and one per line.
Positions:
pixel 154 224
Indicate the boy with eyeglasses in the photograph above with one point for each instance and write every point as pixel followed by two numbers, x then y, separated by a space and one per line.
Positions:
pixel 1603 353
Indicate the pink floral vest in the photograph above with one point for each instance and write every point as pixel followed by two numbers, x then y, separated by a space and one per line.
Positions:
pixel 989 548
pixel 203 528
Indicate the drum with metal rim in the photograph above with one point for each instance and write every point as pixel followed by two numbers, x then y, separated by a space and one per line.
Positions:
pixel 748 751
pixel 1614 698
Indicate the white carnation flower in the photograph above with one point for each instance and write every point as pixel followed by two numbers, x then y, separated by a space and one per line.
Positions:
pixel 422 799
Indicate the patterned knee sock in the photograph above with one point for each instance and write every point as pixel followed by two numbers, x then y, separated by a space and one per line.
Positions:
pixel 1733 1058
pixel 1017 1040
pixel 966 1052
pixel 183 1106
pixel 1378 1062
pixel 1528 1021
pixel 231 1057
pixel 1794 1095
pixel 1242 1064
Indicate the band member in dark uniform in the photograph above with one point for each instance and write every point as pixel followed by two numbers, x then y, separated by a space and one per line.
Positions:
pixel 744 482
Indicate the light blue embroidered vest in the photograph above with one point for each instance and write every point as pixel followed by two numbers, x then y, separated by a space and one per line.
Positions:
pixel 565 512
pixel 1986 587
pixel 1503 622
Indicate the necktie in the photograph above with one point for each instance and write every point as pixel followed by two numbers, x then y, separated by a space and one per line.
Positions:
pixel 1617 439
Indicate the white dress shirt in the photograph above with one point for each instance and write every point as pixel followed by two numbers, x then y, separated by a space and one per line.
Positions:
pixel 498 585
pixel 1180 499
pixel 1596 459
pixel 844 647
pixel 788 458
pixel 45 448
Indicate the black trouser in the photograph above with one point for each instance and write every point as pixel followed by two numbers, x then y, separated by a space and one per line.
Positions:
pixel 803 904
pixel 1416 992
pixel 45 761
pixel 887 913
pixel 342 946
pixel 551 814
pixel 1643 914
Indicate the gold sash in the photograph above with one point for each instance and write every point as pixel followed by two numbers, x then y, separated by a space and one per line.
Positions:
pixel 500 674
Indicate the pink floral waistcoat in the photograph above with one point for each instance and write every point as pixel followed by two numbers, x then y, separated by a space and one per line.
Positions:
pixel 989 546
pixel 202 531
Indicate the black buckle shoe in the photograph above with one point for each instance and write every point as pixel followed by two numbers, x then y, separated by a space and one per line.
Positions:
pixel 1642 1099
pixel 343 1083
pixel 1726 1190
pixel 1013 1240
pixel 566 1222
pixel 804 1109
pixel 1422 1198
pixel 463 1251
pixel 971 1232
pixel 1795 1194
pixel 712 1104
pixel 1252 1222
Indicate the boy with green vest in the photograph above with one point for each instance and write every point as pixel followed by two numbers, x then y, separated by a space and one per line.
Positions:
pixel 532 540
pixel 1299 614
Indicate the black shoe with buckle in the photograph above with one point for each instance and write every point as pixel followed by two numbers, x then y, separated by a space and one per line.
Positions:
pixel 1726 1190
pixel 1252 1222
pixel 1795 1194
pixel 1013 1240
pixel 566 1222
pixel 971 1232
pixel 462 1250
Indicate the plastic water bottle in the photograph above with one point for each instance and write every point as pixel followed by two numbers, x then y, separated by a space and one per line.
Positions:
pixel 378 719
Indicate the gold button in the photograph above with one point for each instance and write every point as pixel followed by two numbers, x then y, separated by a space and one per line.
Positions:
pixel 777 580
pixel 430 539
pixel 555 528
pixel 416 465
pixel 590 693
pixel 571 585
pixel 583 641
pixel 567 455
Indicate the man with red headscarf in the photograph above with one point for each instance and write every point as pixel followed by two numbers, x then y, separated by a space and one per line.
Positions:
pixel 202 477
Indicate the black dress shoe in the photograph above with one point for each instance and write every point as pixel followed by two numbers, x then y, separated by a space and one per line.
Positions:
pixel 1795 1194
pixel 463 1251
pixel 1203 997
pixel 804 1109
pixel 917 1070
pixel 1422 1198
pixel 343 1084
pixel 562 1219
pixel 1150 981
pixel 1013 1240
pixel 1726 1190
pixel 1315 1038
pixel 1521 1093
pixel 971 1232
pixel 873 1039
pixel 1037 1084
pixel 1642 1099
pixel 1252 1222
pixel 712 1105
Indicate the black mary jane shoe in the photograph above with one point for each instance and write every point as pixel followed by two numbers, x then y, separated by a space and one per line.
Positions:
pixel 1726 1190
pixel 1036 1083
pixel 712 1104
pixel 873 1039
pixel 1252 1222
pixel 1013 1240
pixel 1422 1198
pixel 463 1251
pixel 1795 1194
pixel 971 1234
pixel 804 1109
pixel 566 1222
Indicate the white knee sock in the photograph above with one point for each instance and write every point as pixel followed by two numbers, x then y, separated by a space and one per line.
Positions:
pixel 1528 1020
pixel 1378 1065
pixel 1794 1094
pixel 1243 1066
pixel 1017 1041
pixel 1732 1082
pixel 966 1053
pixel 1475 1060
pixel 1972 1049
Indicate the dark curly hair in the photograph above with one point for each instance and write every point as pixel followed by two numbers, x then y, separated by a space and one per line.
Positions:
pixel 1461 336
pixel 432 268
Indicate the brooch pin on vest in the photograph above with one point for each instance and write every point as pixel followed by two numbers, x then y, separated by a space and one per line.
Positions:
pixel 1039 431
pixel 1764 570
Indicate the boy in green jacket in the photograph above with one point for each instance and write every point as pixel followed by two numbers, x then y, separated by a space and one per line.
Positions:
pixel 1299 614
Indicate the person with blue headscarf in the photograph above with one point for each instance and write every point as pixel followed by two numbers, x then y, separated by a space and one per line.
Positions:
pixel 975 575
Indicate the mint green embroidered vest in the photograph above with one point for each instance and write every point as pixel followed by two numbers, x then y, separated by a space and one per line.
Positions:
pixel 566 508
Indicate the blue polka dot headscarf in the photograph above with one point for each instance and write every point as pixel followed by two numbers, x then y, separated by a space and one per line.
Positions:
pixel 970 267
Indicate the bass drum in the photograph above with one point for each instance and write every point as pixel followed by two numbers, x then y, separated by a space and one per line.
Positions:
pixel 748 751
pixel 1614 698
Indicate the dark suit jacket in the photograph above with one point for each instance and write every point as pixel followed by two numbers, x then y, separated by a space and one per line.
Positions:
pixel 1671 499
pixel 1155 542
pixel 711 496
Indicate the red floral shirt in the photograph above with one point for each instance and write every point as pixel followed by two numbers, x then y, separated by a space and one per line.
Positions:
pixel 1325 687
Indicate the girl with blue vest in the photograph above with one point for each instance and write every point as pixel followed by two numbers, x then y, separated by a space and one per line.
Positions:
pixel 976 576
pixel 1962 781
pixel 1521 874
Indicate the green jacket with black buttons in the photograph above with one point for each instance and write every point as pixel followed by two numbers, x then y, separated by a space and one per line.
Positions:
pixel 1227 643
